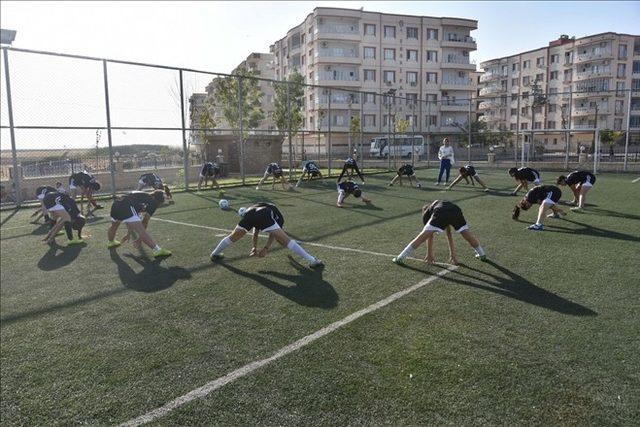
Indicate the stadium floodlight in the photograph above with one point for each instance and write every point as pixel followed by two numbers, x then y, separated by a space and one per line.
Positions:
pixel 7 36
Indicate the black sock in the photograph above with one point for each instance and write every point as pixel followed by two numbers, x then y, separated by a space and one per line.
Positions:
pixel 69 230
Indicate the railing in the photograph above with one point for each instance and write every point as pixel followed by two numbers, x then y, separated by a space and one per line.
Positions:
pixel 338 99
pixel 338 77
pixel 454 59
pixel 485 105
pixel 602 109
pixel 597 54
pixel 583 126
pixel 593 73
pixel 491 89
pixel 489 76
pixel 337 53
pixel 454 38
pixel 456 81
pixel 337 29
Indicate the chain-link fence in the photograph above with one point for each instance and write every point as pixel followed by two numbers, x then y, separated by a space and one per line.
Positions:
pixel 119 119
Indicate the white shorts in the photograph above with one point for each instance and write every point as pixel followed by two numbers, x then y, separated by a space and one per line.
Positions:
pixel 430 227
pixel 41 197
pixel 135 217
pixel 56 207
pixel 537 181
pixel 202 176
pixel 587 183
pixel 72 186
pixel 548 200
pixel 272 228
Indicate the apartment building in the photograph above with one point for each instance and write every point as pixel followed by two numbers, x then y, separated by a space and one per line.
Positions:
pixel 592 64
pixel 420 57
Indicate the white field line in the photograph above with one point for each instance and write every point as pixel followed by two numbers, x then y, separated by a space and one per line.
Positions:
pixel 636 180
pixel 211 386
pixel 320 245
pixel 17 226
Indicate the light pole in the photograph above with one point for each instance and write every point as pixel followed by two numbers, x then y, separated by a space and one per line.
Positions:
pixel 539 99
pixel 388 94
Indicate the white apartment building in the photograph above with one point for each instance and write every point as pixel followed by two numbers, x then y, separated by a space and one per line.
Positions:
pixel 421 57
pixel 600 62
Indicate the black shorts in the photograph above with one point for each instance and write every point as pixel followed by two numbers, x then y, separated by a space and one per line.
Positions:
pixel 471 171
pixel 406 170
pixel 444 217
pixel 124 211
pixel 263 220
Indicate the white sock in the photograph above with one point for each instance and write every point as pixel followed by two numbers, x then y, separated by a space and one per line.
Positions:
pixel 406 252
pixel 156 248
pixel 479 250
pixel 224 243
pixel 296 248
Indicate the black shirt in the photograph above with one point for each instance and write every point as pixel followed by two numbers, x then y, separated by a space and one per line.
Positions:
pixel 261 216
pixel 209 169
pixel 541 192
pixel 81 179
pixel 405 169
pixel 42 191
pixel 526 174
pixel 471 171
pixel 311 167
pixel 69 205
pixel 141 202
pixel 350 162
pixel 274 168
pixel 580 177
pixel 442 214
pixel 348 187
pixel 151 179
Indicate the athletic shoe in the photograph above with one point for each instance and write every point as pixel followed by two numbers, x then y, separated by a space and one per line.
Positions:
pixel 486 190
pixel 98 207
pixel 535 227
pixel 161 252
pixel 390 185
pixel 577 209
pixel 419 185
pixel 437 183
pixel 113 244
pixel 554 215
pixel 316 263
pixel 398 260
pixel 481 257
pixel 75 242
pixel 60 233
pixel 257 188
pixel 215 258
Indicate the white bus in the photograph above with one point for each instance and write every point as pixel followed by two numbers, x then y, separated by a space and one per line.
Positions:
pixel 400 146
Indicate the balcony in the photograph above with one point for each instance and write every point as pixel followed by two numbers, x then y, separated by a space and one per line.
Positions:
pixel 453 83
pixel 487 105
pixel 590 93
pixel 593 73
pixel 457 62
pixel 583 126
pixel 340 99
pixel 487 77
pixel 594 55
pixel 589 111
pixel 467 42
pixel 342 78
pixel 492 90
pixel 448 105
pixel 342 55
pixel 338 31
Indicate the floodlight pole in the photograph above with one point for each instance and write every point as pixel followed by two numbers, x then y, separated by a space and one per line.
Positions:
pixel 241 130
pixel 289 130
pixel 469 130
pixel 14 154
pixel 109 139
pixel 185 156
pixel 328 150
pixel 626 142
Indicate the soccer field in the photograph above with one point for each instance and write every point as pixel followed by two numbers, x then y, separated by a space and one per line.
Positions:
pixel 545 332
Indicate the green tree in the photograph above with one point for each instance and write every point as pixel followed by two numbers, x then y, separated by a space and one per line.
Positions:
pixel 478 129
pixel 502 137
pixel 608 136
pixel 294 120
pixel 402 125
pixel 206 122
pixel 354 130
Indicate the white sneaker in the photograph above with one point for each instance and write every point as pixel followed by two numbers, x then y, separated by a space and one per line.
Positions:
pixel 316 263
pixel 257 188
pixel 437 183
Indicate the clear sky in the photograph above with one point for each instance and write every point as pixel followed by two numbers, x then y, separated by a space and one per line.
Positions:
pixel 217 36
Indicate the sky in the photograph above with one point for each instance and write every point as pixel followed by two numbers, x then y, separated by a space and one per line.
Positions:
pixel 217 36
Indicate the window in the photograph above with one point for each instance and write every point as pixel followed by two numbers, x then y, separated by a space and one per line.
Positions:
pixel 526 64
pixel 636 67
pixel 412 33
pixel 551 124
pixel 540 77
pixel 390 54
pixel 622 51
pixel 617 124
pixel 412 119
pixel 526 80
pixel 369 98
pixel 514 96
pixel 311 30
pixel 303 59
pixel 505 70
pixel 514 82
pixel 513 126
pixel 432 78
pixel 553 90
pixel 432 97
pixel 431 120
pixel 523 126
pixel 622 70
pixel 524 110
pixel 311 79
pixel 369 53
pixel 390 76
pixel 568 75
pixel 432 34
pixel 525 95
pixel 385 120
pixel 619 106
pixel 540 61
pixel 555 58
pixel 634 121
pixel 514 67
pixel 369 30
pixel 514 111
pixel 412 98
pixel 412 55
pixel 389 32
pixel 432 56
pixel 635 84
pixel 369 75
pixel 553 75
pixel 552 108
pixel 369 120
pixel 538 109
pixel 619 88
pixel 412 78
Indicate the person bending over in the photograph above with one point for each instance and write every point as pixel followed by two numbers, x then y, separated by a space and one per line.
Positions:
pixel 154 181
pixel 547 196
pixel 408 171
pixel 267 218
pixel 310 170
pixel 274 170
pixel 467 172
pixel 523 177
pixel 348 188
pixel 87 184
pixel 64 212
pixel 350 165
pixel 438 217
pixel 580 182
pixel 210 170
pixel 135 210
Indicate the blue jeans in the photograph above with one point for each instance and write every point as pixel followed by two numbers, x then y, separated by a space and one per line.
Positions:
pixel 445 165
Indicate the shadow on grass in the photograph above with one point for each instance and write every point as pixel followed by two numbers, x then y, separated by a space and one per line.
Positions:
pixel 8 217
pixel 308 288
pixel 52 260
pixel 512 285
pixel 153 277
pixel 590 230
pixel 606 212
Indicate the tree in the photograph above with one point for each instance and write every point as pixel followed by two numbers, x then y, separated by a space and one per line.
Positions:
pixel 288 113
pixel 608 136
pixel 402 125
pixel 206 122
pixel 354 128
pixel 503 137
pixel 478 129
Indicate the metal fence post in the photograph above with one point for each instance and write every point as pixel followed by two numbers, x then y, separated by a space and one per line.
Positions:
pixel 242 174
pixel 469 126
pixel 14 153
pixel 185 156
pixel 626 142
pixel 568 133
pixel 361 129
pixel 515 148
pixel 289 130
pixel 109 140
pixel 428 134
pixel 328 149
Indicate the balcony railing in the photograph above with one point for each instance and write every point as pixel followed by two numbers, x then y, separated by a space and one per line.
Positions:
pixel 491 90
pixel 338 99
pixel 594 72
pixel 337 52
pixel 583 126
pixel 596 54
pixel 338 29
pixel 485 105
pixel 458 39
pixel 582 111
pixel 336 76
pixel 486 77
pixel 456 81
pixel 455 59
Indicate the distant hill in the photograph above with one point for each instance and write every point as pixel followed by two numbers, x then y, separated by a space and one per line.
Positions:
pixel 54 154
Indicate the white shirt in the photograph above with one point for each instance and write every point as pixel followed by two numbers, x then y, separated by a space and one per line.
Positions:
pixel 446 153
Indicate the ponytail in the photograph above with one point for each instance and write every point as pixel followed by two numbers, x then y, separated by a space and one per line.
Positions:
pixel 516 213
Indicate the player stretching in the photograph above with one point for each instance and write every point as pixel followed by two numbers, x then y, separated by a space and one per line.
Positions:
pixel 128 209
pixel 87 185
pixel 347 188
pixel 267 218
pixel 580 183
pixel 350 165
pixel 408 171
pixel 311 170
pixel 524 176
pixel 438 217
pixel 64 213
pixel 547 196
pixel 467 172
pixel 274 170
pixel 43 212
pixel 154 181
pixel 209 171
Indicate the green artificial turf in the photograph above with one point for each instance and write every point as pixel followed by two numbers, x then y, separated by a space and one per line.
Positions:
pixel 546 332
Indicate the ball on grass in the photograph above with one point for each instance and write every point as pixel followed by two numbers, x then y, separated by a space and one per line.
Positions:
pixel 224 204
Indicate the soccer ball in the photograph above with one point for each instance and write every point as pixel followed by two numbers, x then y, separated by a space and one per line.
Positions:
pixel 224 204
